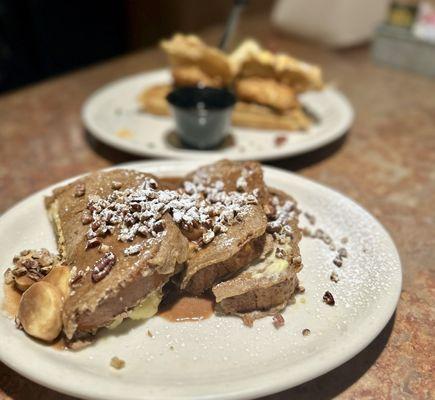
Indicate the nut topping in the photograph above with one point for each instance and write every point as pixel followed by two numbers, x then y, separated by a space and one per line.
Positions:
pixel 116 185
pixel 338 261
pixel 278 321
pixel 76 279
pixel 280 253
pixel 342 252
pixel 306 332
pixel 328 298
pixel 19 271
pixel 91 243
pixel 86 217
pixel 9 276
pixel 208 236
pixel 117 363
pixel 30 264
pixel 273 227
pixel 334 277
pixel 103 266
pixel 79 190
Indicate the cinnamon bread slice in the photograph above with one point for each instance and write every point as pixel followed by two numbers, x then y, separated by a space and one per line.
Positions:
pixel 121 245
pixel 267 285
pixel 237 195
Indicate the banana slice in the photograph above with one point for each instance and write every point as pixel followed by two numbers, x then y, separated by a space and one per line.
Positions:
pixel 40 311
pixel 59 277
pixel 22 283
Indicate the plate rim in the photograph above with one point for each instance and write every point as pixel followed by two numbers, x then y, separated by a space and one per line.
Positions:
pixel 272 381
pixel 278 153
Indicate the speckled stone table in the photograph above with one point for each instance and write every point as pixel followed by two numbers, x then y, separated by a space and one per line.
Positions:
pixel 386 163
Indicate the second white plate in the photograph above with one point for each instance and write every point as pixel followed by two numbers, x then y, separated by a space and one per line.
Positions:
pixel 112 114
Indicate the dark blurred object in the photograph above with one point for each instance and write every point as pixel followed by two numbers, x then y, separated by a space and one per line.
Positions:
pixel 232 21
pixel 149 21
pixel 202 115
pixel 39 38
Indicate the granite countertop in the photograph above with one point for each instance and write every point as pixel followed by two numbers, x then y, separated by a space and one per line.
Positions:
pixel 386 163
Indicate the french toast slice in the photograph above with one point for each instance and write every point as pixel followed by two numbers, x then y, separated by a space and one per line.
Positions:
pixel 237 191
pixel 121 247
pixel 268 284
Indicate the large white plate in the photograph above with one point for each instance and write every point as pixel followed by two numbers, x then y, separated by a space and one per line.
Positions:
pixel 115 108
pixel 220 358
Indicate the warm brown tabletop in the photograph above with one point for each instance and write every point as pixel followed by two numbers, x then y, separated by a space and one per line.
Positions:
pixel 386 163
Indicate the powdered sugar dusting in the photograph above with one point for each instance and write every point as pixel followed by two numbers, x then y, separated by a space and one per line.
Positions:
pixel 199 205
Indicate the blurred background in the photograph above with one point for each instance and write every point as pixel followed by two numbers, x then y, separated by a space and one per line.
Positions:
pixel 42 38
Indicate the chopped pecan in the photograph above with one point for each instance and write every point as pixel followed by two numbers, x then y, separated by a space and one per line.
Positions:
pixel 116 185
pixel 328 298
pixel 342 252
pixel 103 266
pixel 9 276
pixel 280 253
pixel 29 264
pixel 79 190
pixel 334 277
pixel 338 261
pixel 86 217
pixel 91 243
pixel 278 321
pixel 159 226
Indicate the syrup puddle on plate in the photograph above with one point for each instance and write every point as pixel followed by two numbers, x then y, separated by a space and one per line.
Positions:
pixel 11 300
pixel 187 308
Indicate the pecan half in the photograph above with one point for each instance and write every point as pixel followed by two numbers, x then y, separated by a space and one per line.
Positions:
pixel 103 266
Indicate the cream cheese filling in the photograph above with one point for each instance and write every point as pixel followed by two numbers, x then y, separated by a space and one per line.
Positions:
pixel 144 310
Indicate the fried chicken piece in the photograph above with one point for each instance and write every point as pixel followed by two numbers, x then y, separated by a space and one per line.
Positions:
pixel 190 75
pixel 250 60
pixel 190 50
pixel 267 92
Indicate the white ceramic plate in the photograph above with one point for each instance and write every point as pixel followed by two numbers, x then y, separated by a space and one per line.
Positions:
pixel 112 114
pixel 220 358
